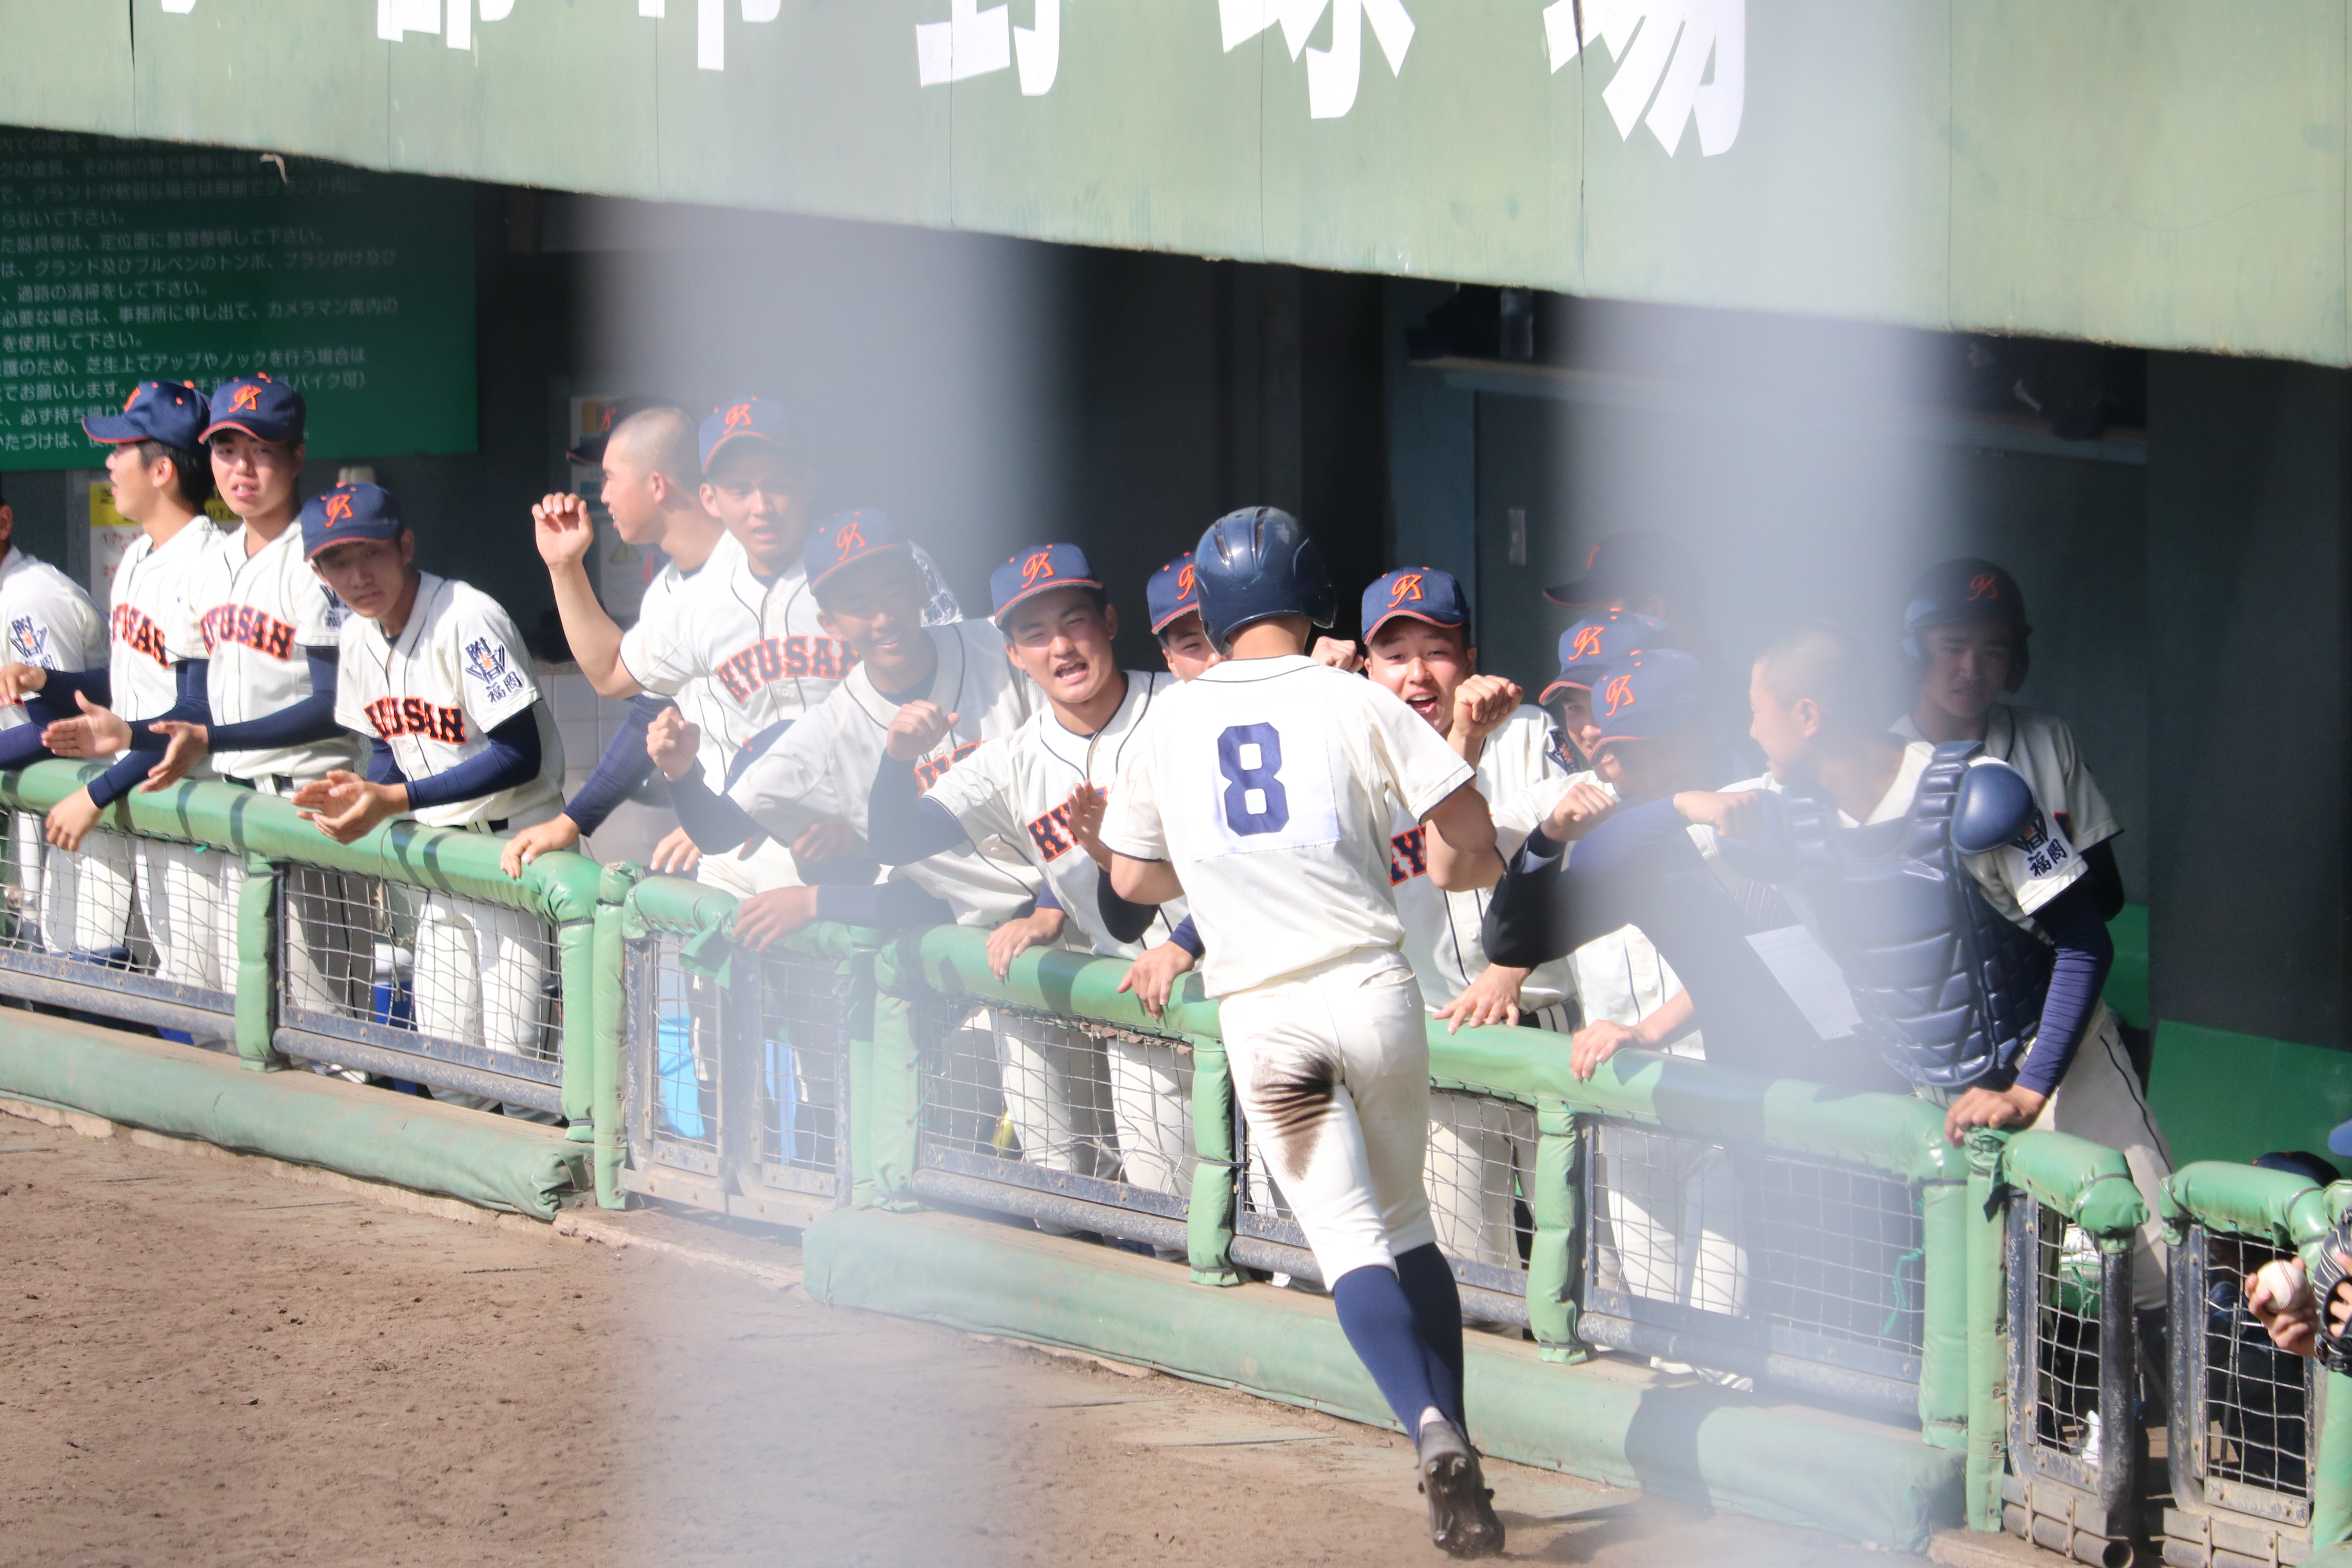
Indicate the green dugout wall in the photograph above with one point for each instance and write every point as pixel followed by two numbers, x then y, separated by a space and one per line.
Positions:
pixel 2164 174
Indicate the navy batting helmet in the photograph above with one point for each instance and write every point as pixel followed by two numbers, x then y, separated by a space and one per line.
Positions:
pixel 1257 564
pixel 1965 588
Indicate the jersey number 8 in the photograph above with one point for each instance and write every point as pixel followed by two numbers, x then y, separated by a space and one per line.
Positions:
pixel 1250 755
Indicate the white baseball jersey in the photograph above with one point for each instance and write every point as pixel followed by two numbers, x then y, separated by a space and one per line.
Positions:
pixel 150 624
pixel 1273 786
pixel 456 671
pixel 1016 789
pixel 756 648
pixel 256 616
pixel 2041 747
pixel 49 621
pixel 2017 877
pixel 823 766
pixel 659 608
pixel 1520 783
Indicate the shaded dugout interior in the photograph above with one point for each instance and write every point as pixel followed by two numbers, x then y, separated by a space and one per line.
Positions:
pixel 2176 521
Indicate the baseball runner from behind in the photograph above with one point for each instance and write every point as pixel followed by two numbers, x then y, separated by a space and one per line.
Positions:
pixel 1265 793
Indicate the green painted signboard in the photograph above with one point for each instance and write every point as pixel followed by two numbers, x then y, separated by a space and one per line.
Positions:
pixel 128 261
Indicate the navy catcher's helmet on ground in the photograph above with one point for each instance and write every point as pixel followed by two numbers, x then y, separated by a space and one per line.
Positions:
pixel 1257 564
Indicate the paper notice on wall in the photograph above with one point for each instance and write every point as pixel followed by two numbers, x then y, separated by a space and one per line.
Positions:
pixel 1811 977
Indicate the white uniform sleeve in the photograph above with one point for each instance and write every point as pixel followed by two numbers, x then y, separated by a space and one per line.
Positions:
pixel 790 785
pixel 1521 813
pixel 184 613
pixel 492 669
pixel 2089 818
pixel 977 793
pixel 2030 870
pixel 318 613
pixel 657 652
pixel 1132 824
pixel 55 627
pixel 351 698
pixel 1421 768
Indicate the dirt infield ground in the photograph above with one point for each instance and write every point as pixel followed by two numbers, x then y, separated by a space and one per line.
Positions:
pixel 202 1362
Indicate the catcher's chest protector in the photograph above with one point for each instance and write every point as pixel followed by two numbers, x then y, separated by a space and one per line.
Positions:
pixel 1949 989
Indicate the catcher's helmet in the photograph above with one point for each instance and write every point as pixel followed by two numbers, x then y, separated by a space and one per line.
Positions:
pixel 1255 563
pixel 1966 589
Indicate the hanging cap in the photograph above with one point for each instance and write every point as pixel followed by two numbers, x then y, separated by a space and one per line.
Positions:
pixel 172 412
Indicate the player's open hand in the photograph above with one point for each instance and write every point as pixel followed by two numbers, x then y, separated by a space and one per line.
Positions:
pixel 1086 805
pixel 1596 1043
pixel 916 728
pixel 346 806
pixel 71 819
pixel 560 526
pixel 678 853
pixel 1492 998
pixel 97 733
pixel 558 833
pixel 1339 653
pixel 827 838
pixel 1153 977
pixel 1013 938
pixel 185 745
pixel 673 743
pixel 18 681
pixel 1580 809
pixel 2015 1106
pixel 1735 814
pixel 1481 703
pixel 765 918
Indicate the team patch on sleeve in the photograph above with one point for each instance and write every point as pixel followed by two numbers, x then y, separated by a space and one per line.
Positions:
pixel 2044 853
pixel 29 641
pixel 485 661
pixel 395 716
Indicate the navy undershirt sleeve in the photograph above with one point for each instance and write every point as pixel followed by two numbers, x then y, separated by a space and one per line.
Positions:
pixel 146 746
pixel 60 686
pixel 383 767
pixel 715 823
pixel 901 826
pixel 2085 953
pixel 1188 936
pixel 297 724
pixel 509 760
pixel 621 770
pixel 1125 921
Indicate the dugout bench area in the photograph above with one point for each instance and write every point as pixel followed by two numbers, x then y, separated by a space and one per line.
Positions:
pixel 1763 1295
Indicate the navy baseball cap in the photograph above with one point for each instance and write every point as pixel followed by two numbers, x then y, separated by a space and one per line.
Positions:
pixel 751 420
pixel 1964 589
pixel 1646 695
pixel 847 538
pixel 172 412
pixel 345 514
pixel 264 409
pixel 1172 593
pixel 1588 648
pixel 1036 570
pixel 1418 592
pixel 1628 565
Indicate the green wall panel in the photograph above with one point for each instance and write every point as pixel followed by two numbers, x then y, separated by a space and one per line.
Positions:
pixel 2158 172
pixel 282 76
pixel 61 66
pixel 2224 1096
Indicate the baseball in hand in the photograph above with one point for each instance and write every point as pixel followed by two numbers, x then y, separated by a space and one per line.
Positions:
pixel 2282 1284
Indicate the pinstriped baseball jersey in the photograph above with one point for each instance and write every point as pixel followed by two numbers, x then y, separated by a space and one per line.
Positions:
pixel 256 616
pixel 1016 789
pixel 659 609
pixel 48 621
pixel 149 626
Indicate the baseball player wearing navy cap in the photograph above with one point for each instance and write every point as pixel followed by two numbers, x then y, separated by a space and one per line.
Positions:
pixel 872 596
pixel 1266 792
pixel 435 674
pixel 161 480
pixel 1173 598
pixel 1587 649
pixel 1041 788
pixel 652 491
pixel 748 628
pixel 1965 635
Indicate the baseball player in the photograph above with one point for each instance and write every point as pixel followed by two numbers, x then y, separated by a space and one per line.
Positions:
pixel 1040 788
pixel 751 631
pixel 161 480
pixel 50 625
pixel 1964 633
pixel 872 595
pixel 1266 792
pixel 652 490
pixel 433 672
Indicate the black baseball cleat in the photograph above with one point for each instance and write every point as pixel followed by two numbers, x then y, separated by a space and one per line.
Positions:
pixel 1462 1521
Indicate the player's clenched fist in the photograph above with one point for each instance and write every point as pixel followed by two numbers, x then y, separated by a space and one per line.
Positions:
pixel 560 525
pixel 1579 811
pixel 916 728
pixel 672 743
pixel 1339 653
pixel 1735 814
pixel 1481 703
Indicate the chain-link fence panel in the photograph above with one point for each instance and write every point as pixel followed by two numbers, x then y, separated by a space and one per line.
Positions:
pixel 2073 1476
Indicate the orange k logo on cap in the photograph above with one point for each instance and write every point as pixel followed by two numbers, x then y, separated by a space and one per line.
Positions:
pixel 1983 585
pixel 1039 564
pixel 246 397
pixel 133 398
pixel 1185 582
pixel 1587 644
pixel 738 417
pixel 1405 587
pixel 1618 693
pixel 850 536
pixel 338 508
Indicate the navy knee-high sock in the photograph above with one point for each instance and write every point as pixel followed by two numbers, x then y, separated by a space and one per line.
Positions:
pixel 1428 1284
pixel 1379 1320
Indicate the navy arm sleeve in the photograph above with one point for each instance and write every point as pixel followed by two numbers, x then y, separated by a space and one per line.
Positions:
pixel 146 746
pixel 715 823
pixel 1188 936
pixel 60 686
pixel 881 906
pixel 2106 877
pixel 383 766
pixel 1125 921
pixel 1531 919
pixel 509 760
pixel 297 723
pixel 901 827
pixel 2085 953
pixel 621 770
